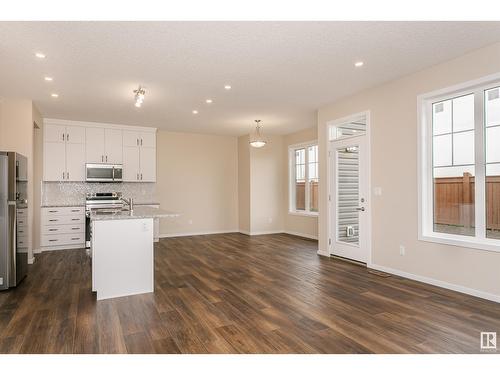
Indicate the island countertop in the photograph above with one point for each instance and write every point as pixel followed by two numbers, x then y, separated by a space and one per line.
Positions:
pixel 139 212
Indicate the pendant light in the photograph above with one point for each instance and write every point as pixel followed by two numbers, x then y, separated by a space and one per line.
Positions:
pixel 257 140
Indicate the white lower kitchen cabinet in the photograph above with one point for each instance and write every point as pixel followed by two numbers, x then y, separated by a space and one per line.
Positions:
pixel 62 228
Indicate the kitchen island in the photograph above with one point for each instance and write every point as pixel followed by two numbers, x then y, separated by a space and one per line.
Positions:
pixel 122 251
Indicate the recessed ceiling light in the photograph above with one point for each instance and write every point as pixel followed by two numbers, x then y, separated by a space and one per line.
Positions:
pixel 195 112
pixel 209 101
pixel 358 64
pixel 227 87
pixel 48 79
pixel 40 55
pixel 54 95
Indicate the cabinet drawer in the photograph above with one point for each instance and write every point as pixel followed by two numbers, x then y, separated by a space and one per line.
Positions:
pixel 60 211
pixel 63 229
pixel 56 220
pixel 22 241
pixel 63 239
pixel 22 230
pixel 22 221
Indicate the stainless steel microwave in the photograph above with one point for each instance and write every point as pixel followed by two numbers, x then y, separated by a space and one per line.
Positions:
pixel 103 172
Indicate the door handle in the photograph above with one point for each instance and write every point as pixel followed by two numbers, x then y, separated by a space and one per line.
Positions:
pixel 360 208
pixel 106 158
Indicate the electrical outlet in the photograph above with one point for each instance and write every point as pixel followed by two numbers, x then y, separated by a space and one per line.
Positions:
pixel 190 221
pixel 270 220
pixel 377 190
pixel 402 250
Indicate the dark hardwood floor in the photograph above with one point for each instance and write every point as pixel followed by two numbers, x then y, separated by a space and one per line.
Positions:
pixel 231 293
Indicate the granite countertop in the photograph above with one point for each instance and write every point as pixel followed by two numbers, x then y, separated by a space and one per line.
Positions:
pixel 63 205
pixel 137 213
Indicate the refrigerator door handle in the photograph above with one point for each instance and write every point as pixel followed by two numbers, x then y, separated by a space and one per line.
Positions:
pixel 11 267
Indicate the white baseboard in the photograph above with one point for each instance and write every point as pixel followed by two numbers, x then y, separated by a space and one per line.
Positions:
pixel 439 283
pixel 262 232
pixel 186 234
pixel 301 235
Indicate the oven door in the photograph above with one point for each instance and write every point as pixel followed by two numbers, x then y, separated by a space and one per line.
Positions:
pixel 99 172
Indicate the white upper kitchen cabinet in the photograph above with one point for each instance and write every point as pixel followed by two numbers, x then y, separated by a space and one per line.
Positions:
pixel 139 156
pixel 75 134
pixel 131 138
pixel 69 145
pixel 54 161
pixel 131 166
pixel 75 161
pixel 94 148
pixel 63 153
pixel 104 145
pixel 113 146
pixel 54 133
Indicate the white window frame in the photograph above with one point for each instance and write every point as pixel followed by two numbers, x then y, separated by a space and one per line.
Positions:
pixel 291 179
pixel 425 167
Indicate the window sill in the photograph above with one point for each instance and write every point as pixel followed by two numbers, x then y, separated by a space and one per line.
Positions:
pixel 303 213
pixel 456 240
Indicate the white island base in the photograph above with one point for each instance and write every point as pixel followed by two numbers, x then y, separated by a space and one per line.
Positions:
pixel 122 257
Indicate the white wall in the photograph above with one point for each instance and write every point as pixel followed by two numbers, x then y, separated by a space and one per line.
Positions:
pixel 197 175
pixel 393 109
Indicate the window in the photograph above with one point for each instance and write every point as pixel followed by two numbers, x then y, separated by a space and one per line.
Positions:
pixel 304 179
pixel 460 166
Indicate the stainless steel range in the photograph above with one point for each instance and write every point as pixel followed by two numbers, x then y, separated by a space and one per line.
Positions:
pixel 101 202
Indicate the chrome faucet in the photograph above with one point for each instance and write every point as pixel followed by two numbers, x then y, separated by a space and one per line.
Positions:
pixel 129 202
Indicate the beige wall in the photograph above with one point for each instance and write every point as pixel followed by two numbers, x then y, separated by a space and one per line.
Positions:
pixel 37 176
pixel 266 186
pixel 16 134
pixel 393 109
pixel 306 226
pixel 244 184
pixel 197 175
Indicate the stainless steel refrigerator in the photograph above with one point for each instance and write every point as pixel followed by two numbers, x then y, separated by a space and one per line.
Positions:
pixel 13 213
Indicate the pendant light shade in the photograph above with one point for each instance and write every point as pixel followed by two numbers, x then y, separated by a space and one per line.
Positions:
pixel 256 139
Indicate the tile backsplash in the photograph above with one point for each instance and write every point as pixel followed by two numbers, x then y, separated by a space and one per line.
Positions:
pixel 73 193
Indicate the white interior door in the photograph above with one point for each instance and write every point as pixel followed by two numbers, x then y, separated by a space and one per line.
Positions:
pixel 349 194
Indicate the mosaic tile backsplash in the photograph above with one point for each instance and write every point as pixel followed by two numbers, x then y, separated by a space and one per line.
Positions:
pixel 73 193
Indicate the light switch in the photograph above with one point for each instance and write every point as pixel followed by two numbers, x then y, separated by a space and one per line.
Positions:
pixel 377 191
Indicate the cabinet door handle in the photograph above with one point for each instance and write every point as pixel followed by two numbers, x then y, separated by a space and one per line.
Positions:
pixel 63 136
pixel 102 158
pixel 75 228
pixel 106 158
pixel 141 141
pixel 75 219
pixel 74 239
pixel 53 219
pixel 53 211
pixel 53 230
pixel 137 141
pixel 67 137
pixel 52 240
pixel 67 175
pixel 141 176
pixel 63 175
pixel 137 175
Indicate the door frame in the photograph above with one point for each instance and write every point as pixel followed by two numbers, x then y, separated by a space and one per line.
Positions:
pixel 331 186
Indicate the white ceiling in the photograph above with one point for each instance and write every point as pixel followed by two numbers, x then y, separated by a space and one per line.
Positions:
pixel 280 72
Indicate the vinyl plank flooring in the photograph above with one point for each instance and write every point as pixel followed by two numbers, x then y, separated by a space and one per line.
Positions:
pixel 231 293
